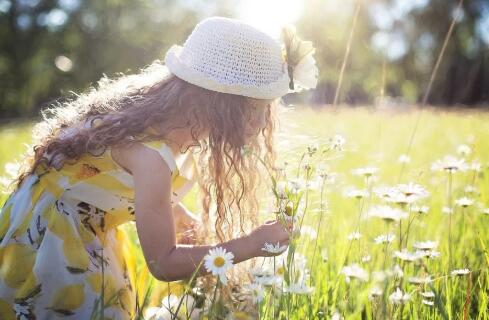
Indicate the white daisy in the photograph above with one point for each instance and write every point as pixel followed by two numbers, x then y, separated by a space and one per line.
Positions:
pixel 425 245
pixel 449 164
pixel 464 202
pixel 354 236
pixel 420 209
pixel 383 192
pixel 413 189
pixel 277 248
pixel 399 297
pixel 281 189
pixel 296 184
pixel 280 270
pixel 268 281
pixel 447 210
pixel 464 150
pixel 299 288
pixel 428 302
pixel 324 254
pixel 355 193
pixel 384 238
pixel 475 166
pixel 337 142
pixel 408 256
pixel 395 271
pixel 354 271
pixel 406 194
pixel 256 291
pixel 218 261
pixel 265 275
pixel 471 189
pixel 365 171
pixel 460 272
pixel 169 304
pixel 366 258
pixel 428 294
pixel 432 254
pixel 336 316
pixel 387 213
pixel 375 292
pixel 261 271
pixel 404 158
pixel 419 280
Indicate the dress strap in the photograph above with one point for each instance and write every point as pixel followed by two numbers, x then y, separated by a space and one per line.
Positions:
pixel 164 150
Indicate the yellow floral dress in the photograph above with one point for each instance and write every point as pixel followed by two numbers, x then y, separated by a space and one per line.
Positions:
pixel 62 250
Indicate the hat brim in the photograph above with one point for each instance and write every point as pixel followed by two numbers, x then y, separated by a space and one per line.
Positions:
pixel 178 67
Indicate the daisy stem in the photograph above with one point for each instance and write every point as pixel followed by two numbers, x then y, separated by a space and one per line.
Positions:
pixel 317 232
pixel 400 235
pixel 273 287
pixel 303 215
pixel 409 225
pixel 450 220
pixel 192 278
pixel 299 166
pixel 214 300
pixel 307 196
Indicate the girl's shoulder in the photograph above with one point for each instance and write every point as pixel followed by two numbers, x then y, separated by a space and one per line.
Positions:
pixel 121 155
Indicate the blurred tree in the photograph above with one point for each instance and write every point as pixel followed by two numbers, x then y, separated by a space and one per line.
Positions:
pixel 395 46
pixel 463 77
pixel 51 47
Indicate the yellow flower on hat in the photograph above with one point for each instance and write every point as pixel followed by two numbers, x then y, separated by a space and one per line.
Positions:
pixel 301 65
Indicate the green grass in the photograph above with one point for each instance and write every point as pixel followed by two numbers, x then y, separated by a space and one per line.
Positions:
pixel 378 139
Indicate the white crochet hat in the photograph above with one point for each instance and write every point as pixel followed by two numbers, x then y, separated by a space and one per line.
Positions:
pixel 230 56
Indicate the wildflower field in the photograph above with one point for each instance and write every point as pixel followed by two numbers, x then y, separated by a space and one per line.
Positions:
pixel 390 211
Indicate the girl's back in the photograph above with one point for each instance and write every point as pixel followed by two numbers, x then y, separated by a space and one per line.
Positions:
pixel 59 233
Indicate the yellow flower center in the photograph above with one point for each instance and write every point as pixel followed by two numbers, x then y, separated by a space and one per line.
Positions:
pixel 280 271
pixel 219 262
pixel 288 210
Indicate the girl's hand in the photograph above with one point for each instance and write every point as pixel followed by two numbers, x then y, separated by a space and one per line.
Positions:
pixel 271 232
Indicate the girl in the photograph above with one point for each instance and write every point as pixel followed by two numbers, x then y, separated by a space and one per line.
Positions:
pixel 124 152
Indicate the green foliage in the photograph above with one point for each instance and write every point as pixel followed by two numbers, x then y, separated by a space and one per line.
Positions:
pixel 378 139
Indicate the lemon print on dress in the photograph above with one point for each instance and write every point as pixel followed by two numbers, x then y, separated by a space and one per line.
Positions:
pixel 95 281
pixel 68 298
pixel 76 257
pixel 112 294
pixel 29 289
pixel 58 223
pixel 16 264
pixel 6 311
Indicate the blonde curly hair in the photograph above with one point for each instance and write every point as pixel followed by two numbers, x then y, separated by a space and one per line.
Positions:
pixel 127 105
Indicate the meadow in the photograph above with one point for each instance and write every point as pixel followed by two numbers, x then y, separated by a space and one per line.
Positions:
pixel 387 226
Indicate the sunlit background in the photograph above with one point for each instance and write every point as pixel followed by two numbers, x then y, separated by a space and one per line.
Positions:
pixel 49 48
pixel 376 59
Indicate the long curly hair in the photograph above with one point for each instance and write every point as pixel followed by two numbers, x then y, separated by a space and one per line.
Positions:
pixel 126 105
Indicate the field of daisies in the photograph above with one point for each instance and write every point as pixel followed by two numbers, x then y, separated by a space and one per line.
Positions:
pixel 390 212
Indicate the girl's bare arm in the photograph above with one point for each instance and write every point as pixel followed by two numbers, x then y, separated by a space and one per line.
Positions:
pixel 166 259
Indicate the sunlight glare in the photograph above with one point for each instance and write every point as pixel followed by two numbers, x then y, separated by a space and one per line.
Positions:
pixel 270 15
